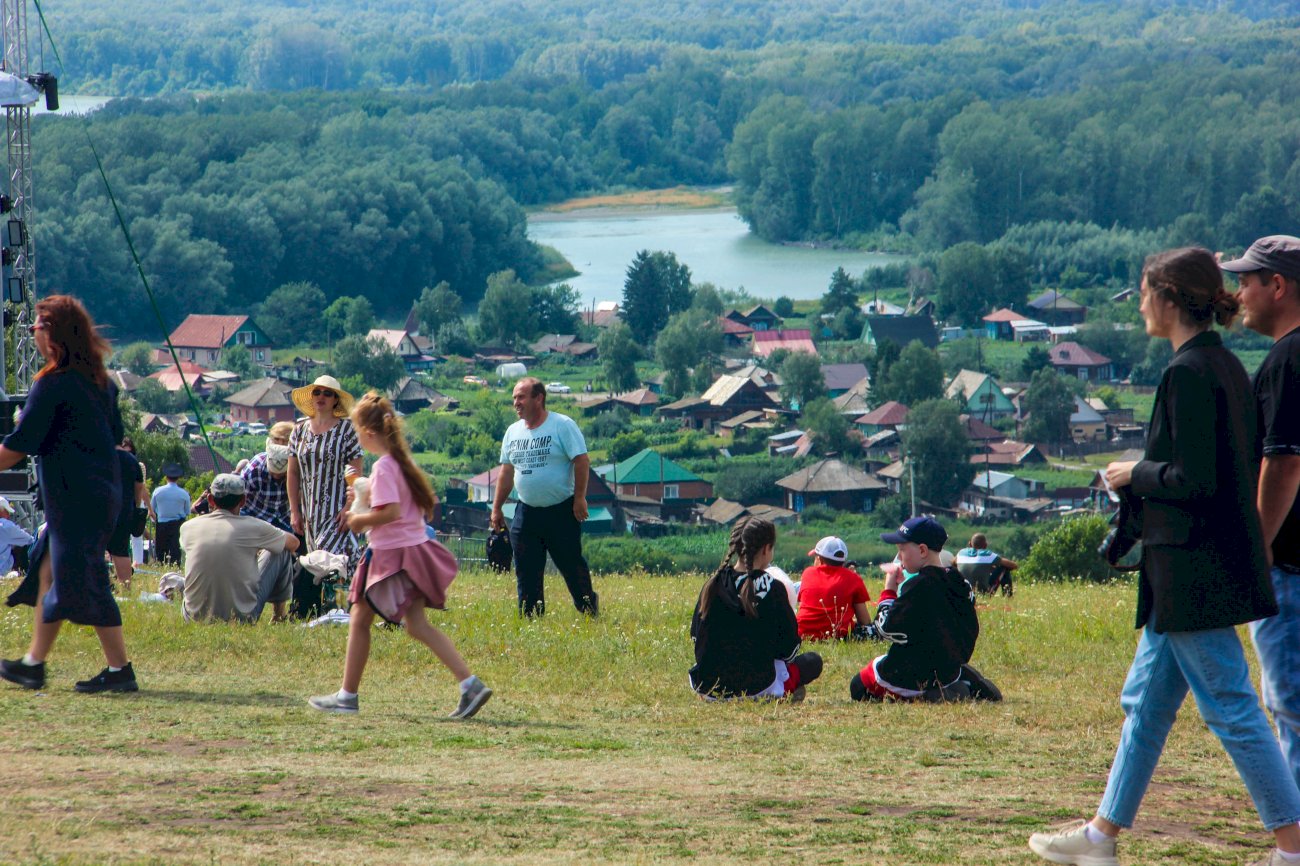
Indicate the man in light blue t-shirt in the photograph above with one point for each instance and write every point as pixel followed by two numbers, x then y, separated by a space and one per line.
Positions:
pixel 544 457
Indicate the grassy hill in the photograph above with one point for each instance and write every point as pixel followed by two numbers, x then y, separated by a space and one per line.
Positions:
pixel 592 751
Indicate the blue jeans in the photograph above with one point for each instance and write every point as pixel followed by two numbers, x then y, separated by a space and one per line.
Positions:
pixel 1277 641
pixel 1212 665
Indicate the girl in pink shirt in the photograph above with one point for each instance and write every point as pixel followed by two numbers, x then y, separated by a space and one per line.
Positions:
pixel 402 572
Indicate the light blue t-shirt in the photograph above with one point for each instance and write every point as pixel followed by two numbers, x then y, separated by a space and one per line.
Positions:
pixel 170 502
pixel 543 458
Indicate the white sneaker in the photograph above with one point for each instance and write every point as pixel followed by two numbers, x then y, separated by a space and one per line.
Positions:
pixel 472 700
pixel 334 704
pixel 1068 844
pixel 1274 858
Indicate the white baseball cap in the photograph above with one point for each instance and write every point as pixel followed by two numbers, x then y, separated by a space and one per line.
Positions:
pixel 5 506
pixel 831 548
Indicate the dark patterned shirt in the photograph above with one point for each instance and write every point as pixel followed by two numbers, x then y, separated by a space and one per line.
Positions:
pixel 321 461
pixel 267 496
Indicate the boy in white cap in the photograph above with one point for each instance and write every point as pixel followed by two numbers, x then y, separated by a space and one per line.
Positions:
pixel 831 595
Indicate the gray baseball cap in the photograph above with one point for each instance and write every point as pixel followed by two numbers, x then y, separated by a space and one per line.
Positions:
pixel 1277 253
pixel 226 484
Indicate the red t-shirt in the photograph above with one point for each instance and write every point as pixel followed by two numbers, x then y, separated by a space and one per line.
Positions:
pixel 827 595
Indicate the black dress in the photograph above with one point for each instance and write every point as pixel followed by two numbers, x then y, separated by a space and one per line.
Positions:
pixel 72 426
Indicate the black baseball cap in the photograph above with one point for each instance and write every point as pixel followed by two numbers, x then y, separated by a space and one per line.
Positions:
pixel 1277 253
pixel 918 530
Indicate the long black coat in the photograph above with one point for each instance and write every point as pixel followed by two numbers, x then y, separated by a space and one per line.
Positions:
pixel 1203 563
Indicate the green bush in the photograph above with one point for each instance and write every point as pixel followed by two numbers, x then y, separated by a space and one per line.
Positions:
pixel 618 555
pixel 1068 551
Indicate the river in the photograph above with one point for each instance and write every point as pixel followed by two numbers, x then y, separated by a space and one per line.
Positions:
pixel 715 244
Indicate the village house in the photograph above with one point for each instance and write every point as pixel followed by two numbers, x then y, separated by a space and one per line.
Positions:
pixel 1080 362
pixel 978 395
pixel 1086 423
pixel 642 401
pixel 403 345
pixel 756 318
pixel 650 475
pixel 901 330
pixel 832 483
pixel 565 344
pixel 411 395
pixel 266 400
pixel 791 340
pixel 727 397
pixel 891 415
pixel 1004 496
pixel 201 339
pixel 997 324
pixel 1055 308
pixel 839 378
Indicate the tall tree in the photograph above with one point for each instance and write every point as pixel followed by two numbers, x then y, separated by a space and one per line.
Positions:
pixel 292 314
pixel 1049 404
pixel 936 444
pixel 507 314
pixel 369 359
pixel 690 340
pixel 916 376
pixel 656 287
pixel 618 354
pixel 557 308
pixel 435 307
pixel 801 379
pixel 829 428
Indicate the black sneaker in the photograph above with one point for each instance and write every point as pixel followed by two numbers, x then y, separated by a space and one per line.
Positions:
pixel 591 605
pixel 110 681
pixel 981 687
pixel 27 676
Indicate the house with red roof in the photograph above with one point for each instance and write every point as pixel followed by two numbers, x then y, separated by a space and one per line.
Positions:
pixel 997 324
pixel 886 416
pixel 792 340
pixel 201 339
pixel 1080 362
pixel 188 374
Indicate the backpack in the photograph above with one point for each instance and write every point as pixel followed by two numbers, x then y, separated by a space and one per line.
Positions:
pixel 500 554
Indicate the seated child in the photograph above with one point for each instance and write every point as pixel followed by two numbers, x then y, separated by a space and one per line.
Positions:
pixel 831 595
pixel 746 638
pixel 930 623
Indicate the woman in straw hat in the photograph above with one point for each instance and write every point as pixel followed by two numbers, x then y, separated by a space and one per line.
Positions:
pixel 322 447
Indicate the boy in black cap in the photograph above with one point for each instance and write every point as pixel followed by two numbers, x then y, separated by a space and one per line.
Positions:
pixel 927 614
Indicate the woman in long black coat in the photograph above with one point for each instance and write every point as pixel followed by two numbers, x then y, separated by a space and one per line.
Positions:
pixel 1203 566
pixel 71 424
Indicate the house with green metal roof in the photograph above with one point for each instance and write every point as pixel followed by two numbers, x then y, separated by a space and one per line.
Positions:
pixel 650 475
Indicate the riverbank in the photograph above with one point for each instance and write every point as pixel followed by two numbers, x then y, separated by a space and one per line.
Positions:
pixel 638 202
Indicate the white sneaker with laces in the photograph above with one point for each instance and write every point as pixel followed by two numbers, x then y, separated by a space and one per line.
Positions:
pixel 471 700
pixel 1067 843
pixel 335 704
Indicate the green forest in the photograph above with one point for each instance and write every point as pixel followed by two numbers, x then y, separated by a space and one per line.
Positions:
pixel 382 149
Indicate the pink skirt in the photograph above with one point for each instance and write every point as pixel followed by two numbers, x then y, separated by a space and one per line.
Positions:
pixel 390 579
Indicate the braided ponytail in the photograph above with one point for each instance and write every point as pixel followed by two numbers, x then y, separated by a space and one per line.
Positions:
pixel 725 571
pixel 757 534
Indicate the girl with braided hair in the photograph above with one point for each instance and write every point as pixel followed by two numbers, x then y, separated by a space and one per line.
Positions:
pixel 746 638
pixel 403 573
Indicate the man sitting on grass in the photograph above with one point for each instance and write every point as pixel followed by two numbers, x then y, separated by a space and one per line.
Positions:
pixel 221 574
pixel 927 614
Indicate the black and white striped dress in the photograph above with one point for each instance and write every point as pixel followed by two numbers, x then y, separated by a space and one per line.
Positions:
pixel 322 460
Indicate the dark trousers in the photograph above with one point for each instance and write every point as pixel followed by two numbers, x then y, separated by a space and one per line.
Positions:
pixel 167 541
pixel 535 532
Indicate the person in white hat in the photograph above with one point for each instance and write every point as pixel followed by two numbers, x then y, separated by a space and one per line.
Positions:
pixel 831 595
pixel 11 535
pixel 322 446
pixel 267 498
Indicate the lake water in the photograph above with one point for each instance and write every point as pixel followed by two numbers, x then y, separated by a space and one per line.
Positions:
pixel 715 244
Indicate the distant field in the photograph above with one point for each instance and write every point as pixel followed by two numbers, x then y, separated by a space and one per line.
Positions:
pixel 593 750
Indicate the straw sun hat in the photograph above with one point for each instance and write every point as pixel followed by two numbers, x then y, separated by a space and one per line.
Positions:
pixel 302 397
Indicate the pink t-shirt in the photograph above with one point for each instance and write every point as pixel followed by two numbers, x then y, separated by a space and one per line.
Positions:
pixel 388 485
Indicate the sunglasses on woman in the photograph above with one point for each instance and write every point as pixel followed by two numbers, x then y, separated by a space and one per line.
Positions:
pixel 321 392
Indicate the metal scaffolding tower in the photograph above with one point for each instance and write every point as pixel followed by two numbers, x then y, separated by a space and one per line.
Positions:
pixel 18 355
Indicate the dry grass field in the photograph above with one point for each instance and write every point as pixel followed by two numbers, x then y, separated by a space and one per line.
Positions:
pixel 593 749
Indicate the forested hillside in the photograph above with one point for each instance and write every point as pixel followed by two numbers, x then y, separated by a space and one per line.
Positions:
pixel 1083 134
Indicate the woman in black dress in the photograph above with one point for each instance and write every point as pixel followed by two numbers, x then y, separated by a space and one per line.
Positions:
pixel 71 423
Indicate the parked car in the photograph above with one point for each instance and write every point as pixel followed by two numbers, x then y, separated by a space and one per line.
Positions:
pixel 475 380
pixel 558 388
pixel 257 428
pixel 239 428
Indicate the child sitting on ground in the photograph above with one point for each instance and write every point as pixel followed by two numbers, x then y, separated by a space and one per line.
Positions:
pixel 746 638
pixel 831 595
pixel 928 617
